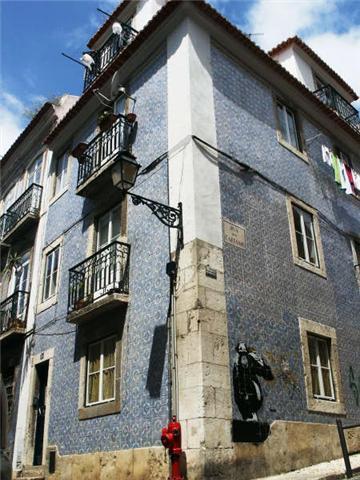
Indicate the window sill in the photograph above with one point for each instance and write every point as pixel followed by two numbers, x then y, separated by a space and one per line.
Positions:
pixel 100 410
pixel 311 268
pixel 325 406
pixel 47 304
pixel 57 196
pixel 295 151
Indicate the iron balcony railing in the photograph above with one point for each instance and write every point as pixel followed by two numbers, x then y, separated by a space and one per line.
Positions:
pixel 330 97
pixel 107 52
pixel 103 148
pixel 107 271
pixel 28 203
pixel 13 311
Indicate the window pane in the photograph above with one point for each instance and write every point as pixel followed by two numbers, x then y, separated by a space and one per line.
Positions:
pixel 315 381
pixel 327 382
pixel 103 229
pixel 323 353
pixel 93 388
pixel 312 251
pixel 109 352
pixel 94 357
pixel 47 276
pixel 312 350
pixel 282 122
pixel 116 222
pixel 297 219
pixel 293 140
pixel 108 383
pixel 300 245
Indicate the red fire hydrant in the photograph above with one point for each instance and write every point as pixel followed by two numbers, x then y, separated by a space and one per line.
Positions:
pixel 171 439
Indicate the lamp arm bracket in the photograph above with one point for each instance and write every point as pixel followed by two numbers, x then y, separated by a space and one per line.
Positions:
pixel 169 216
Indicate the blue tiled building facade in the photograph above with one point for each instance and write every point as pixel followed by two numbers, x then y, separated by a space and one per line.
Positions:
pixel 269 261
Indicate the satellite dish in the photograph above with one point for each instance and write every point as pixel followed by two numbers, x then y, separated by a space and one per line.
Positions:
pixel 117 28
pixel 116 87
pixel 87 60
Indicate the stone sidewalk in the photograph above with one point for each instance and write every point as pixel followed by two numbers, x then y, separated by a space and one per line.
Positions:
pixel 333 470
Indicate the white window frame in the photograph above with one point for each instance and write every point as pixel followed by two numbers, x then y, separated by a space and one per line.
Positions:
pixel 355 248
pixel 320 368
pixel 285 111
pixel 318 268
pixel 37 164
pixel 100 371
pixel 304 236
pixel 48 278
pixel 43 303
pixel 110 214
pixel 318 403
pixel 57 192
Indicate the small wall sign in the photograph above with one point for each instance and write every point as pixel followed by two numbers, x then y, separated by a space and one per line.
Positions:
pixel 234 234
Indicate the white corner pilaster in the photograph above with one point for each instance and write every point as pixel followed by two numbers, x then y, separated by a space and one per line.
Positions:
pixel 203 373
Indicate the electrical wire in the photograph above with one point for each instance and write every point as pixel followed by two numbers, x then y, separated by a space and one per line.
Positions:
pixel 247 168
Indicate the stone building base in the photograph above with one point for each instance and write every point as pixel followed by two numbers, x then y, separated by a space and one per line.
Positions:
pixel 133 464
pixel 290 446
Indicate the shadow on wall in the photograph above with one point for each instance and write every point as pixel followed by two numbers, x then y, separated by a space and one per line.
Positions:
pixel 157 361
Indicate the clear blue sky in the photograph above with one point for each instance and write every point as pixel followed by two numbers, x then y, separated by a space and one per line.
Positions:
pixel 34 33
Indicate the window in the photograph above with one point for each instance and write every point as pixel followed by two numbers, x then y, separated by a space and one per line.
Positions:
pixel 305 236
pixel 34 172
pixel 60 174
pixel 287 126
pixel 51 273
pixel 321 367
pixel 355 247
pixel 108 227
pixel 100 381
pixel 321 376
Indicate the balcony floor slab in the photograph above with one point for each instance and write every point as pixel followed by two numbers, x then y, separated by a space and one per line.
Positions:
pixel 103 304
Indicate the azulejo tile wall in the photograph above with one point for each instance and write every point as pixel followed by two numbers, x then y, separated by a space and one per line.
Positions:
pixel 144 395
pixel 265 291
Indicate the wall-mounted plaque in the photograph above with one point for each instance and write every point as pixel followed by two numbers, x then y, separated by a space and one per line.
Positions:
pixel 234 234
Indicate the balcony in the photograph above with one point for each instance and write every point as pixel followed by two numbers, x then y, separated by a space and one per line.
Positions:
pixel 108 52
pixel 330 97
pixel 94 172
pixel 13 313
pixel 100 283
pixel 22 215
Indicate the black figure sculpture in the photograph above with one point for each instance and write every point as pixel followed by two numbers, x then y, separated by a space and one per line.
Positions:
pixel 247 389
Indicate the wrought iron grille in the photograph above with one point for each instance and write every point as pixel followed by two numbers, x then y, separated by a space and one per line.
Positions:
pixel 103 148
pixel 13 311
pixel 330 97
pixel 28 203
pixel 107 52
pixel 107 271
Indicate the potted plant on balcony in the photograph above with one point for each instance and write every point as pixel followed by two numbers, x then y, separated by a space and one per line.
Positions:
pixel 106 119
pixel 79 151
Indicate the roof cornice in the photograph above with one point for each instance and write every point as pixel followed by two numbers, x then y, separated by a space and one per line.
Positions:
pixel 305 48
pixel 222 22
pixel 26 132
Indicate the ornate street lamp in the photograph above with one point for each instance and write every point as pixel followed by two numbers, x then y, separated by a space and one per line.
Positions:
pixel 124 174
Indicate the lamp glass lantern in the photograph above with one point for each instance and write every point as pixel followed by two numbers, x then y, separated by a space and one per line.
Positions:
pixel 124 171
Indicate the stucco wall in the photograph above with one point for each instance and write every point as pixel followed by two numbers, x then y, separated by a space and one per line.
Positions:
pixel 144 400
pixel 265 291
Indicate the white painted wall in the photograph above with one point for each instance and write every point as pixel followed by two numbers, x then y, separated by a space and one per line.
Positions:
pixel 193 176
pixel 65 103
pixel 297 66
pixel 145 10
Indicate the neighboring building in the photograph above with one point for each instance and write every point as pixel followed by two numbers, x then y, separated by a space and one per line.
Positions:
pixel 24 171
pixel 263 152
